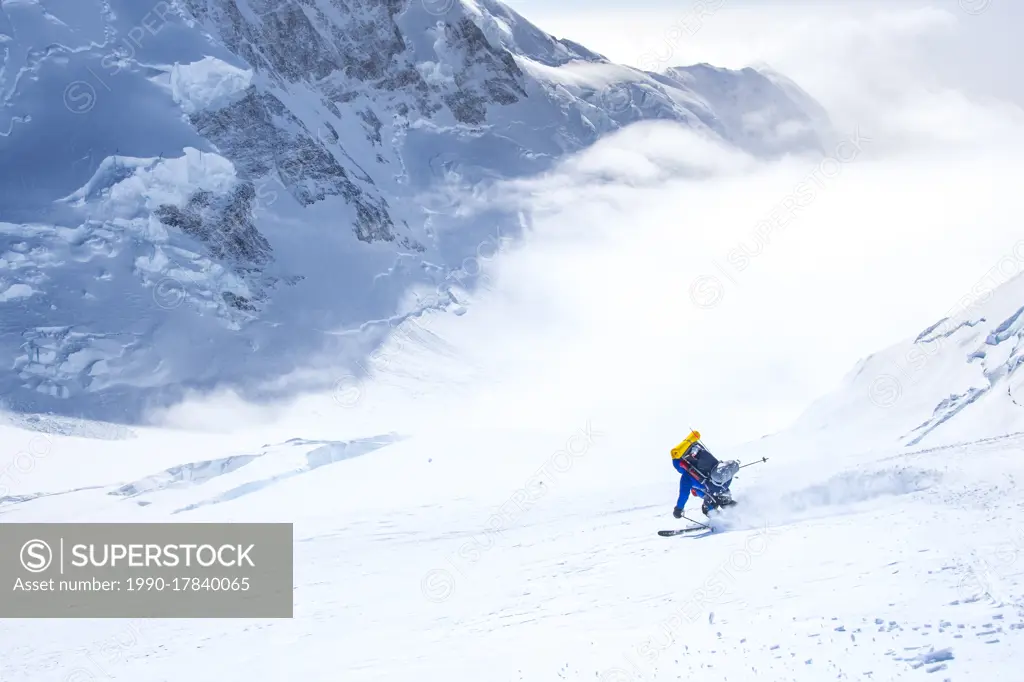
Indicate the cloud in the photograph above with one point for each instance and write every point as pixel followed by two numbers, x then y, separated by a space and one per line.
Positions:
pixel 628 299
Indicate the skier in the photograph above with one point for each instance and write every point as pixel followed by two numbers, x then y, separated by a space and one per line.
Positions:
pixel 702 476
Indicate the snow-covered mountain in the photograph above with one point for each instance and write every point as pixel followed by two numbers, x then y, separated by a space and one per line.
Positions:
pixel 956 381
pixel 209 191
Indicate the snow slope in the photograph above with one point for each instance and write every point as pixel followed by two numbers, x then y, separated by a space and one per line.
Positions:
pixel 418 558
pixel 958 380
pixel 464 553
pixel 215 192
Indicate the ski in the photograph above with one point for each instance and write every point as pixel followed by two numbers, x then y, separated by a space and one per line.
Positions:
pixel 681 531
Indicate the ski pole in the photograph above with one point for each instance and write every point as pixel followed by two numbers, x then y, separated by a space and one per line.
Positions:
pixel 696 522
pixel 763 459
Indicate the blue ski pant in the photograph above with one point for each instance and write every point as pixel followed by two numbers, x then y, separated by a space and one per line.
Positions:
pixel 689 485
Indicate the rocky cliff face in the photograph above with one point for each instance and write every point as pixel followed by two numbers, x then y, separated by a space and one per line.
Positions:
pixel 229 180
pixel 355 64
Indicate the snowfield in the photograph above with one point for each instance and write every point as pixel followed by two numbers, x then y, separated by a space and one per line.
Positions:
pixel 516 556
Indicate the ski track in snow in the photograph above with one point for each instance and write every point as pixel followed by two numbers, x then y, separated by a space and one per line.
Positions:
pixel 865 568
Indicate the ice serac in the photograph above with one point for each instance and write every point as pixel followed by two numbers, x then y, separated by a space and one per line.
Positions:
pixel 214 192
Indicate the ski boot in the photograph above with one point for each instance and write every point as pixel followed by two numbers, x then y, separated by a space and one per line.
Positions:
pixel 713 502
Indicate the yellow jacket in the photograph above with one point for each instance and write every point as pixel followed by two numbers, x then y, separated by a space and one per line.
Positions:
pixel 680 450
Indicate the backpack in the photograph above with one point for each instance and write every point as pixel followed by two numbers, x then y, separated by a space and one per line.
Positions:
pixel 694 457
